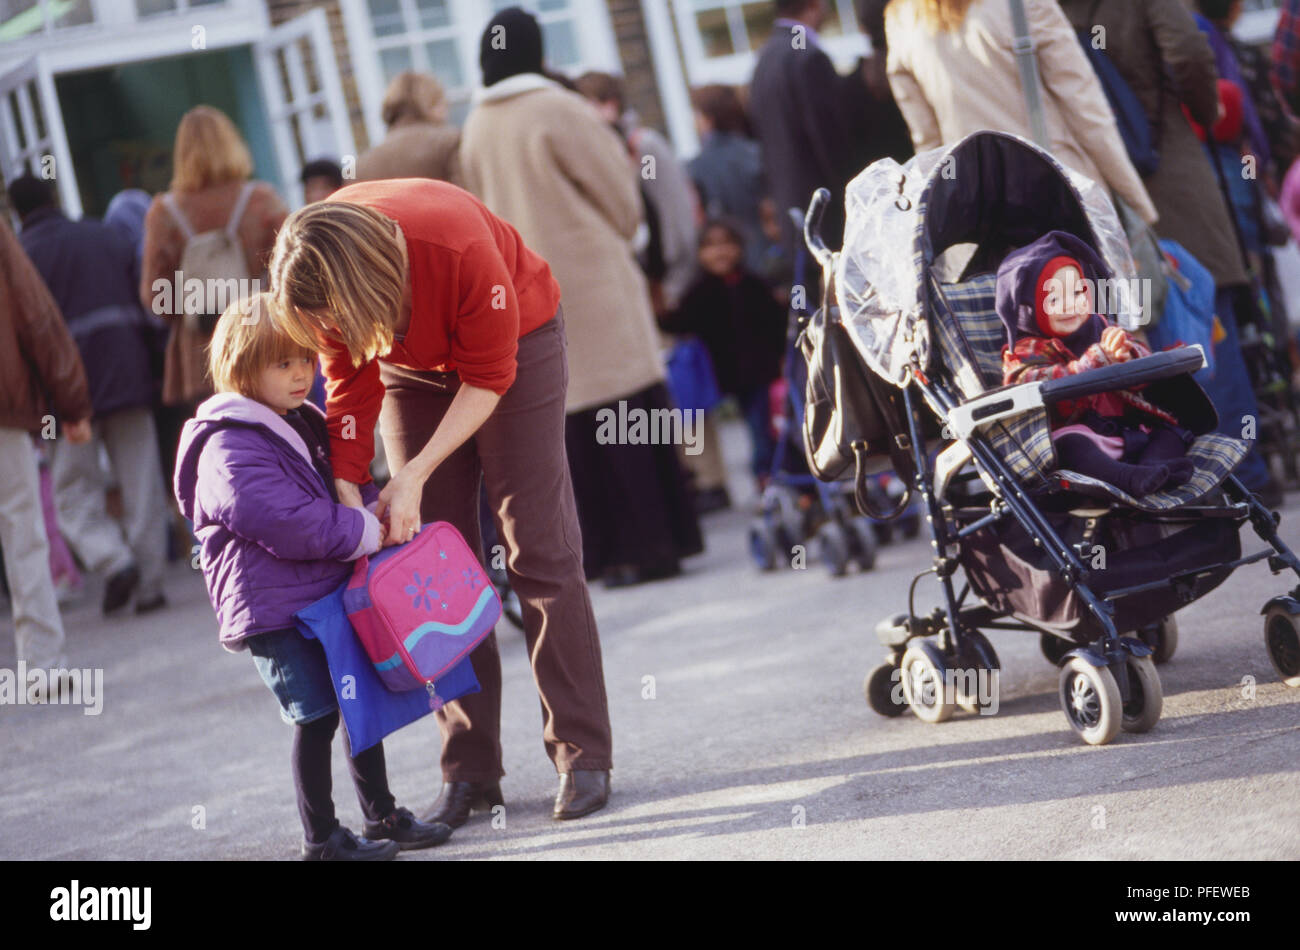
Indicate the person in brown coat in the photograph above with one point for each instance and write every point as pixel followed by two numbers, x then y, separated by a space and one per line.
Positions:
pixel 1184 188
pixel 40 369
pixel 419 143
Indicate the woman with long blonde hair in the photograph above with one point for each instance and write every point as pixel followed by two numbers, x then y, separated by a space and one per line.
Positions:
pixel 437 321
pixel 210 191
pixel 952 66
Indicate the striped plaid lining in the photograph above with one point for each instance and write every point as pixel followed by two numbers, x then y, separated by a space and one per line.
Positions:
pixel 971 337
pixel 1215 457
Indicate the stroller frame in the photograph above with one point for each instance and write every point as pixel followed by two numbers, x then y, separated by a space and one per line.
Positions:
pixel 1108 683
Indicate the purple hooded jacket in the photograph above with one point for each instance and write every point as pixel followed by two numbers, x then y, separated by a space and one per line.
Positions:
pixel 273 539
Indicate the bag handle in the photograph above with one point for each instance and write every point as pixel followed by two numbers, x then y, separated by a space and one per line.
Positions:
pixel 1026 59
pixel 860 495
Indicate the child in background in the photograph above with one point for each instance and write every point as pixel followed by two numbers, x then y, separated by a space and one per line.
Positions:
pixel 253 474
pixel 1045 299
pixel 736 317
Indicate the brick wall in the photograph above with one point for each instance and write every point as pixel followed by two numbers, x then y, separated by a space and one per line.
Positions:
pixel 282 10
pixel 640 87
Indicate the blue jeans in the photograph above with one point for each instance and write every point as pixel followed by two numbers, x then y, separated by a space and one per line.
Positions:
pixel 294 669
pixel 1233 395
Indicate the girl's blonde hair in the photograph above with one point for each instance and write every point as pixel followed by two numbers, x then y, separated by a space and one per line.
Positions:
pixel 339 263
pixel 942 15
pixel 209 151
pixel 249 337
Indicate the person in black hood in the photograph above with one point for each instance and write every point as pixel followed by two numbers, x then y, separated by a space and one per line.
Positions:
pixel 511 44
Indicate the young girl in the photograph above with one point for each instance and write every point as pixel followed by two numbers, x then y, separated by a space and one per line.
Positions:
pixel 736 317
pixel 1045 299
pixel 253 473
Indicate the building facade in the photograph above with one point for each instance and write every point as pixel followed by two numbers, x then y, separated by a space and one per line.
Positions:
pixel 91 91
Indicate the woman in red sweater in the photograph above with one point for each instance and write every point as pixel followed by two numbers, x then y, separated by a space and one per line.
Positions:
pixel 434 319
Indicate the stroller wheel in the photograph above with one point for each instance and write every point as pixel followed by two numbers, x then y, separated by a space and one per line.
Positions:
pixel 1090 699
pixel 1146 698
pixel 1162 638
pixel 1054 648
pixel 862 535
pixel 833 544
pixel 882 692
pixel 924 682
pixel 981 660
pixel 763 545
pixel 1282 638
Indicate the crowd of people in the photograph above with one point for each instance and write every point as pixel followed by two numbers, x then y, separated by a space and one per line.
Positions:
pixel 595 271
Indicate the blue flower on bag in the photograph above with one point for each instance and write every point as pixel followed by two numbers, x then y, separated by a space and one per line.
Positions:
pixel 422 591
pixel 471 577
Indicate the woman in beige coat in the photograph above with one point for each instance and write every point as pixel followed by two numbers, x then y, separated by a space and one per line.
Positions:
pixel 953 70
pixel 541 157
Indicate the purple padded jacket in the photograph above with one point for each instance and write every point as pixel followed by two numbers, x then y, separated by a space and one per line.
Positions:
pixel 272 538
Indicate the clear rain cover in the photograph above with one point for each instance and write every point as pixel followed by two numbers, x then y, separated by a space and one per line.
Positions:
pixel 879 273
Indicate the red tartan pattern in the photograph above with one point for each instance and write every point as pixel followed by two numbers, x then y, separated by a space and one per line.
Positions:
pixel 1035 359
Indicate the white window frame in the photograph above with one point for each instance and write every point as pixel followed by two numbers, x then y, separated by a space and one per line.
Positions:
pixel 735 69
pixel 329 137
pixel 125 39
pixel 590 18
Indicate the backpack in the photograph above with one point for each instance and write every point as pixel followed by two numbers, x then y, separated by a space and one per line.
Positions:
pixel 420 608
pixel 215 255
pixel 1141 141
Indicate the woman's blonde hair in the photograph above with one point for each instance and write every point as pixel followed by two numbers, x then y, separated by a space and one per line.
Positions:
pixel 339 263
pixel 943 15
pixel 249 337
pixel 413 96
pixel 209 151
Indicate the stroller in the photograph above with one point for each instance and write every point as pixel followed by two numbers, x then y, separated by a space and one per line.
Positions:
pixel 1041 549
pixel 794 507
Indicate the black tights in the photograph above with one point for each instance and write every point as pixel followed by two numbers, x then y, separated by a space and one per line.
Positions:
pixel 314 782
pixel 1162 464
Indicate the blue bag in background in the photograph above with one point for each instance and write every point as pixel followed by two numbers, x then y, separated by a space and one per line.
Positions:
pixel 1189 308
pixel 370 710
pixel 691 381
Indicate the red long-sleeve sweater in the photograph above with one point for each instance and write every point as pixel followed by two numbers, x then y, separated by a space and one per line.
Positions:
pixel 476 288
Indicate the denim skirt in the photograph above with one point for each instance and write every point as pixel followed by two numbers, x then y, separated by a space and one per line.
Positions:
pixel 294 669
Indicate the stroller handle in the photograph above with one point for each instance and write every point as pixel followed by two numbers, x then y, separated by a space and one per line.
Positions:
pixel 812 223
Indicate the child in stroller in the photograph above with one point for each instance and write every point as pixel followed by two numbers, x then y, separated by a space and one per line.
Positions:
pixel 1045 298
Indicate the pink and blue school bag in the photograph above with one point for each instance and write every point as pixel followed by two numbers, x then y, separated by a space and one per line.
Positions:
pixel 421 607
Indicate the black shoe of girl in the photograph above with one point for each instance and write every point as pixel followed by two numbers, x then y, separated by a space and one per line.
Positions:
pixel 407 831
pixel 343 845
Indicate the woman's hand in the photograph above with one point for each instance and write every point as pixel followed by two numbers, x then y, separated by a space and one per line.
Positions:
pixel 1114 343
pixel 400 500
pixel 349 493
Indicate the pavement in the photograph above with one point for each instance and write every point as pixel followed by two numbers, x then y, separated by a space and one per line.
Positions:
pixel 740 732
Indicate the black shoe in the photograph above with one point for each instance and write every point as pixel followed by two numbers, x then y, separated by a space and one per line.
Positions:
pixel 410 834
pixel 157 602
pixel 119 588
pixel 459 799
pixel 582 791
pixel 343 845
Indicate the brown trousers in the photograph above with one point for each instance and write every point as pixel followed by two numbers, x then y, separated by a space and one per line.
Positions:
pixel 519 453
